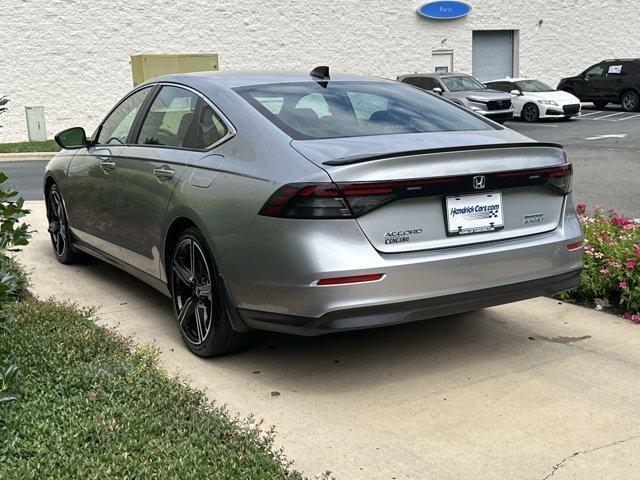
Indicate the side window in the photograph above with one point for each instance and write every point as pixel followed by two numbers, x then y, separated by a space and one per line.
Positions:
pixel 170 119
pixel 595 71
pixel 209 129
pixel 115 129
pixel 315 102
pixel 411 81
pixel 425 83
pixel 631 68
pixel 365 105
pixel 428 83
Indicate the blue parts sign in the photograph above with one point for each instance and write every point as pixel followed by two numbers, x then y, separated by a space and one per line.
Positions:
pixel 444 10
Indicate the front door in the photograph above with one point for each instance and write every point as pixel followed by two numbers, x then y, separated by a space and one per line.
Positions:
pixel 90 193
pixel 148 172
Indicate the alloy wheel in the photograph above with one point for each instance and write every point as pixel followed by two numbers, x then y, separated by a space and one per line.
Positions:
pixel 529 112
pixel 57 223
pixel 192 291
pixel 630 102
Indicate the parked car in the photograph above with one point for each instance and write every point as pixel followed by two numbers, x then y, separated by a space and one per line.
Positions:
pixel 466 91
pixel 533 99
pixel 312 204
pixel 610 81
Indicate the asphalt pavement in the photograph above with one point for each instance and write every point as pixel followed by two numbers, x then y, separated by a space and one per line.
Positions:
pixel 604 146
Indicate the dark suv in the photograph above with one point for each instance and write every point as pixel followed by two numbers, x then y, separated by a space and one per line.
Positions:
pixel 611 81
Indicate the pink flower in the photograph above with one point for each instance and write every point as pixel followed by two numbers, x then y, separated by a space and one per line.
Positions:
pixel 637 249
pixel 623 285
pixel 614 264
pixel 581 208
pixel 621 221
pixel 634 318
pixel 630 264
pixel 604 271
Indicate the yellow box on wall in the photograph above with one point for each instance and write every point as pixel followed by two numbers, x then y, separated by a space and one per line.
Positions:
pixel 149 65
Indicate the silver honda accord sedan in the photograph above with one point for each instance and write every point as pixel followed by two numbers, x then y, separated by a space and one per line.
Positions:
pixel 312 203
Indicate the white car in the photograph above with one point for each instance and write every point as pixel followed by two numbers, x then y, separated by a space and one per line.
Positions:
pixel 533 99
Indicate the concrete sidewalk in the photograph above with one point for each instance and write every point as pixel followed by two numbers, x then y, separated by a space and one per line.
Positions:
pixel 531 390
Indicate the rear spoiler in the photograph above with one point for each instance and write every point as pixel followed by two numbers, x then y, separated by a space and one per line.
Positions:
pixel 462 148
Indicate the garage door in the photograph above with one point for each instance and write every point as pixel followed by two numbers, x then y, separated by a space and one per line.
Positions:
pixel 492 54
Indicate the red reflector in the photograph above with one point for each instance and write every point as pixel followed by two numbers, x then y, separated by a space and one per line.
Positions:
pixel 574 245
pixel 372 277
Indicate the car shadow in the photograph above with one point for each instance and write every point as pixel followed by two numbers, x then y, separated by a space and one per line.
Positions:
pixel 347 361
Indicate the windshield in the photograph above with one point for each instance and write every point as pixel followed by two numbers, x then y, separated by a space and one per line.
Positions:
pixel 462 82
pixel 308 110
pixel 533 86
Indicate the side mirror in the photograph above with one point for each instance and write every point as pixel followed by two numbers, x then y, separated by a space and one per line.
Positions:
pixel 517 93
pixel 72 138
pixel 438 90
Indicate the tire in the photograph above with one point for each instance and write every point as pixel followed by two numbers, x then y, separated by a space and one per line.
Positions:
pixel 630 101
pixel 199 303
pixel 600 104
pixel 59 228
pixel 530 113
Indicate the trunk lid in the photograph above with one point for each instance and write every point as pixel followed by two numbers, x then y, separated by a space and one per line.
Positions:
pixel 437 167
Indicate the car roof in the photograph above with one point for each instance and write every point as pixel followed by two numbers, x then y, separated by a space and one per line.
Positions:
pixel 518 79
pixel 434 75
pixel 622 60
pixel 233 79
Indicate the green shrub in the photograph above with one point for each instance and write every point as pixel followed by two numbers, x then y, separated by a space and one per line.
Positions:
pixel 611 274
pixel 13 282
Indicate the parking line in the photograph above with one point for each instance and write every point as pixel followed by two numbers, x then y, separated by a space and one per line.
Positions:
pixel 627 118
pixel 590 113
pixel 611 115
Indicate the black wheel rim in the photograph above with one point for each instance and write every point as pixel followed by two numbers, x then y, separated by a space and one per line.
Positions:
pixel 192 291
pixel 529 113
pixel 630 102
pixel 57 224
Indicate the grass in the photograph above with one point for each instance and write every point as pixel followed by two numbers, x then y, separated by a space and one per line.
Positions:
pixel 23 147
pixel 91 407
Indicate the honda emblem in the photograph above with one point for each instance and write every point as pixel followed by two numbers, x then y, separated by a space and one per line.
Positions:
pixel 479 182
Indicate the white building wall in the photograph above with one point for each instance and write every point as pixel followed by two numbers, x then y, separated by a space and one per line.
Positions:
pixel 72 56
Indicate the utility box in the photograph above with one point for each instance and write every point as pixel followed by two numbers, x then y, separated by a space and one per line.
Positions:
pixel 36 129
pixel 150 65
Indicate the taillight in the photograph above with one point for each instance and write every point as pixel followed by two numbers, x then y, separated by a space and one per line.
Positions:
pixel 353 199
pixel 326 200
pixel 558 178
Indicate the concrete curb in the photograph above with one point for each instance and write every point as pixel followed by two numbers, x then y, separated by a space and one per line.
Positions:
pixel 14 157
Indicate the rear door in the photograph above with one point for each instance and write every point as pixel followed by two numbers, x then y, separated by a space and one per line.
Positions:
pixel 178 126
pixel 148 170
pixel 90 198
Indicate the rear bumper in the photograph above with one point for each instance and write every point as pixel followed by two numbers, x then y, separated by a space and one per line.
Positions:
pixel 270 271
pixel 403 312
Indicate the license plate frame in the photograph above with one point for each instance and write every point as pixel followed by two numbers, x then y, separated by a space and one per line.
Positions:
pixel 474 213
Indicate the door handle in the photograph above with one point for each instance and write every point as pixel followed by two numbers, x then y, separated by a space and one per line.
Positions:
pixel 108 166
pixel 163 173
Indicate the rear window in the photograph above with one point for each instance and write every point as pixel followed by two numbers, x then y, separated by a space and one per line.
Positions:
pixel 308 110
